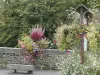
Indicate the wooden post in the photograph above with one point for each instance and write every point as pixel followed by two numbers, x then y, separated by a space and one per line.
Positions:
pixel 82 36
pixel 81 9
pixel 85 14
pixel 81 16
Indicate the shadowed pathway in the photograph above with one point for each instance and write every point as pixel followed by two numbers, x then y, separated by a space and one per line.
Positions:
pixel 36 72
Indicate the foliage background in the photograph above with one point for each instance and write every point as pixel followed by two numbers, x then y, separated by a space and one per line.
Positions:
pixel 19 16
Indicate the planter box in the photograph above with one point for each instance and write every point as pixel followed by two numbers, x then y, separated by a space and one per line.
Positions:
pixel 20 67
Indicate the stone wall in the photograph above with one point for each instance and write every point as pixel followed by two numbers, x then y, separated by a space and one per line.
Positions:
pixel 49 59
pixel 16 55
pixel 9 55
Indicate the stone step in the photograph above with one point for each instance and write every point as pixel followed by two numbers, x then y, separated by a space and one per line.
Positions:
pixel 20 67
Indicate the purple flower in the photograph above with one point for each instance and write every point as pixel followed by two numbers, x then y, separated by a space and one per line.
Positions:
pixel 68 51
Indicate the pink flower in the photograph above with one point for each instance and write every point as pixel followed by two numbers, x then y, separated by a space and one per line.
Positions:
pixel 20 42
pixel 33 60
pixel 68 51
pixel 54 41
pixel 26 58
pixel 79 36
pixel 23 46
pixel 98 36
pixel 37 55
pixel 37 33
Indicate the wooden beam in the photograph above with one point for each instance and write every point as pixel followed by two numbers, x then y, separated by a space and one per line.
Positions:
pixel 82 35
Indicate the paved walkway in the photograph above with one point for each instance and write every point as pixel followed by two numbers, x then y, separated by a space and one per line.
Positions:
pixel 36 72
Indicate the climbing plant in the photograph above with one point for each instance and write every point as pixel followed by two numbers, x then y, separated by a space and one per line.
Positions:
pixel 68 37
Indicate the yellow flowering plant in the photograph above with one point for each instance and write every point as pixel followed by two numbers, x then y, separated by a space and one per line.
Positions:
pixel 27 42
pixel 43 43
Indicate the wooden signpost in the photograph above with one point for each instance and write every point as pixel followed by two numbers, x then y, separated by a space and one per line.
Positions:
pixel 84 18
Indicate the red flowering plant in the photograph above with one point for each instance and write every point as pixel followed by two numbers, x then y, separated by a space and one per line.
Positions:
pixel 34 44
pixel 37 33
